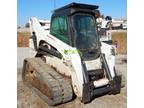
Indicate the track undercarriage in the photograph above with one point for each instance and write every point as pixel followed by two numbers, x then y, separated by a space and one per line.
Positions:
pixel 52 87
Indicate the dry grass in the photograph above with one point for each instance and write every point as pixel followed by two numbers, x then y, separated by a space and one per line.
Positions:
pixel 121 39
pixel 23 39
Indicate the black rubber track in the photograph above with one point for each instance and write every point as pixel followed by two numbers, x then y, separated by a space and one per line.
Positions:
pixel 46 82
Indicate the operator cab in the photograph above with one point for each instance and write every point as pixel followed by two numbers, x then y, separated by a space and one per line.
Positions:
pixel 75 25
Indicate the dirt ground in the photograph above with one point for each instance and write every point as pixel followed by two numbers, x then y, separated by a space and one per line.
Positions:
pixel 27 99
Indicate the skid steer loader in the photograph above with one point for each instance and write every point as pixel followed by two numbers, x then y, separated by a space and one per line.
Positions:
pixel 70 60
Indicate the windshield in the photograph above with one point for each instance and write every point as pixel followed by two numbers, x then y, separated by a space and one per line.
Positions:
pixel 85 31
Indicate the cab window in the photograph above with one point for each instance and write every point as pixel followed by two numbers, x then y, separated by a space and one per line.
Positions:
pixel 59 28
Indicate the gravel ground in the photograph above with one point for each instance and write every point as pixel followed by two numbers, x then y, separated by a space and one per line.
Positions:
pixel 27 99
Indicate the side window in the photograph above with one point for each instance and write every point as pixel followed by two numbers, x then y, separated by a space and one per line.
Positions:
pixel 59 28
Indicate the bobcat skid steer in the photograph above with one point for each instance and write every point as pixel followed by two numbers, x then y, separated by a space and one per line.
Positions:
pixel 70 60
